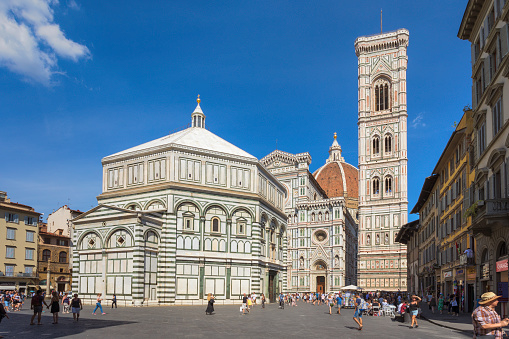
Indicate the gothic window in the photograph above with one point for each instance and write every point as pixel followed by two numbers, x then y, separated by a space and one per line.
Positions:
pixel 376 145
pixel 388 185
pixel 215 225
pixel 388 143
pixel 376 186
pixel 381 95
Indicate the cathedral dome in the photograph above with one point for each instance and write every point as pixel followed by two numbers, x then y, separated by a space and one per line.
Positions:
pixel 338 178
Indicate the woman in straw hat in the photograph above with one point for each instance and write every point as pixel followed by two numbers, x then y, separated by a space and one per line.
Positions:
pixel 486 321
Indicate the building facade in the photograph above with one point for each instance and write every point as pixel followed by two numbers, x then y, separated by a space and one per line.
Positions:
pixel 53 263
pixel 485 26
pixel 18 234
pixel 407 235
pixel 180 217
pixel 322 227
pixel 382 125
pixel 455 177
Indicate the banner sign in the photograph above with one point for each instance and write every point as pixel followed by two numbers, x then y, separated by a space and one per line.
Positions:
pixel 448 274
pixel 502 265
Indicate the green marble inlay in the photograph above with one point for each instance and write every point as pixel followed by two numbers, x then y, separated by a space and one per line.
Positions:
pixel 202 280
pixel 228 275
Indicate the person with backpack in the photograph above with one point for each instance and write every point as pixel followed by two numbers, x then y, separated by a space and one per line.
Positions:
pixel 357 317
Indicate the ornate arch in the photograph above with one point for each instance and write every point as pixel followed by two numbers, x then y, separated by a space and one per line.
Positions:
pixel 188 201
pixel 245 209
pixel 147 205
pixel 115 229
pixel 216 205
pixel 80 239
pixel 126 206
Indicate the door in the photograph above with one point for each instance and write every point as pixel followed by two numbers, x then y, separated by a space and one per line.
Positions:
pixel 320 284
pixel 470 295
pixel 271 288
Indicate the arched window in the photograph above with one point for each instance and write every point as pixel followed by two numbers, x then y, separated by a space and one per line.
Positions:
pixel 46 255
pixel 376 186
pixel 381 95
pixel 388 185
pixel 62 257
pixel 502 250
pixel 215 225
pixel 376 145
pixel 388 144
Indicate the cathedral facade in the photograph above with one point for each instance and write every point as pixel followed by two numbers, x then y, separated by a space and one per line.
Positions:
pixel 180 217
pixel 322 220
pixel 382 127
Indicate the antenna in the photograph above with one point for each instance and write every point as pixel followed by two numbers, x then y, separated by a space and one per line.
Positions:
pixel 381 30
pixel 276 144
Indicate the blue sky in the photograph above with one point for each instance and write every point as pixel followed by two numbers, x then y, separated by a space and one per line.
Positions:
pixel 80 80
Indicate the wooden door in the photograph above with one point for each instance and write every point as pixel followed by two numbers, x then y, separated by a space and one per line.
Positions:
pixel 320 284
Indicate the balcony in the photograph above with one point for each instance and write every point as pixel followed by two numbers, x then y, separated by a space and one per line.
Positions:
pixel 490 214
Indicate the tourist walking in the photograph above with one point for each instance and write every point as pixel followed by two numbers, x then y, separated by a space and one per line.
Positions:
pixel 455 306
pixel 76 306
pixel 36 305
pixel 263 300
pixel 65 303
pixel 55 306
pixel 433 304
pixel 339 300
pixel 357 317
pixel 244 304
pixel 414 310
pixel 114 301
pixel 441 303
pixel 210 304
pixel 98 304
pixel 486 321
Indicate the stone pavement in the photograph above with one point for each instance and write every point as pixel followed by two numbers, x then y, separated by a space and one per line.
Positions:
pixel 303 321
pixel 462 323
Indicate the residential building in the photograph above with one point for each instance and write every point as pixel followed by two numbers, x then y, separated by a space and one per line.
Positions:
pixel 322 219
pixel 485 26
pixel 61 220
pixel 382 126
pixel 407 235
pixel 18 235
pixel 180 217
pixel 455 178
pixel 54 255
pixel 425 240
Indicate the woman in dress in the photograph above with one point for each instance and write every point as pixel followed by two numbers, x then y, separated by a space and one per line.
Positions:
pixel 441 303
pixel 55 306
pixel 210 305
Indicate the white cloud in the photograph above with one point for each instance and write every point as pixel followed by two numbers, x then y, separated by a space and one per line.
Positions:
pixel 30 41
pixel 418 121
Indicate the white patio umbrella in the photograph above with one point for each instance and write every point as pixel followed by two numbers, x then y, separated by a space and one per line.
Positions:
pixel 350 287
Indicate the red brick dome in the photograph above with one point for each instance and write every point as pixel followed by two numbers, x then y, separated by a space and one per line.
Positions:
pixel 338 179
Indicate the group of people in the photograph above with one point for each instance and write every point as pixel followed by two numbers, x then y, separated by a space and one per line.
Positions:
pixel 450 303
pixel 12 301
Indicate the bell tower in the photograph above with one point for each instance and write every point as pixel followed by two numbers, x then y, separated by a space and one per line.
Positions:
pixel 382 128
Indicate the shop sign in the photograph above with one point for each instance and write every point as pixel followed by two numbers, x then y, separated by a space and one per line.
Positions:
pixel 448 274
pixel 485 271
pixel 502 265
pixel 7 284
pixel 471 273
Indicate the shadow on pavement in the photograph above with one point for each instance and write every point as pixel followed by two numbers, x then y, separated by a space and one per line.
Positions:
pixel 66 326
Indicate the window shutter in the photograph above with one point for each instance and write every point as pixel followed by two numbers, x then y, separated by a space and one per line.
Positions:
pixel 26 220
pixel 16 218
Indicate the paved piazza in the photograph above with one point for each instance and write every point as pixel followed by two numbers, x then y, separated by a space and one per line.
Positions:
pixel 303 321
